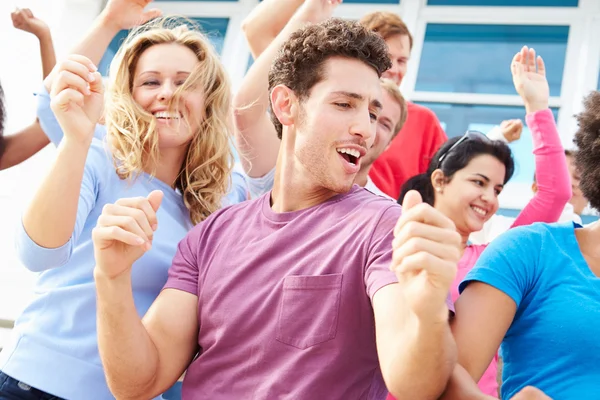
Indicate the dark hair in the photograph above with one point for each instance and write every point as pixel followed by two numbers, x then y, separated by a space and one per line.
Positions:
pixel 2 119
pixel 587 156
pixel 456 160
pixel 299 64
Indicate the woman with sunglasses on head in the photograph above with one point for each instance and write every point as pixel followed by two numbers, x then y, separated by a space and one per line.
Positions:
pixel 467 174
pixel 163 167
pixel 535 292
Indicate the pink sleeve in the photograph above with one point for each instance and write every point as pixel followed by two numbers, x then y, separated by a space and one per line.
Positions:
pixel 552 175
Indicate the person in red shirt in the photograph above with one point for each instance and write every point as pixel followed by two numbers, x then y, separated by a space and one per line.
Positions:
pixel 422 135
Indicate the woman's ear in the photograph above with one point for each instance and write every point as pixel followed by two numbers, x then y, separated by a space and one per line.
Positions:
pixel 438 181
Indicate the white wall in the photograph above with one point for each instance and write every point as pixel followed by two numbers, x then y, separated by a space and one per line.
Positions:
pixel 21 75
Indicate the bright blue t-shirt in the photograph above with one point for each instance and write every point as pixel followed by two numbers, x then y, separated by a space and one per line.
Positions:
pixel 553 342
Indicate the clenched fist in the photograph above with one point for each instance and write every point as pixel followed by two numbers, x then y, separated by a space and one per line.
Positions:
pixel 124 233
pixel 426 252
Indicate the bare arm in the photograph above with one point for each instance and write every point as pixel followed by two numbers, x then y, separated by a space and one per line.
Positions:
pixel 50 218
pixel 483 316
pixel 24 20
pixel 255 134
pixel 21 145
pixel 142 359
pixel 117 15
pixel 415 346
pixel 416 356
pixel 265 22
pixel 47 54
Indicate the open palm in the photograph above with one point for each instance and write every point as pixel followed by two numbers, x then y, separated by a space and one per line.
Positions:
pixel 529 78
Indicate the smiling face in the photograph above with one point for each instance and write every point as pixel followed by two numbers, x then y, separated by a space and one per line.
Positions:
pixel 160 71
pixel 336 124
pixel 470 198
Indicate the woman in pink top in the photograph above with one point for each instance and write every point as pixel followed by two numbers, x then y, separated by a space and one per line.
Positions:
pixel 468 173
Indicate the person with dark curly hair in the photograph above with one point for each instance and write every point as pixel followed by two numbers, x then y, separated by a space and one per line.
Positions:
pixel 315 290
pixel 536 292
pixel 255 137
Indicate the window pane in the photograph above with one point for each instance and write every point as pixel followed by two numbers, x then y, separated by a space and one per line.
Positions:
pixel 458 118
pixel 214 28
pixel 522 3
pixel 476 58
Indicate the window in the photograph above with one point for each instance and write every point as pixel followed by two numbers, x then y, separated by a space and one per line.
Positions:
pixel 522 3
pixel 457 118
pixel 214 28
pixel 476 58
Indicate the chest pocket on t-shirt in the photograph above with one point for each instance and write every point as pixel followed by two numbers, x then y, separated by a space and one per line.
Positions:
pixel 308 314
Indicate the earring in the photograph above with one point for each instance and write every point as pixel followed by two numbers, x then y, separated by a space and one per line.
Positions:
pixel 438 189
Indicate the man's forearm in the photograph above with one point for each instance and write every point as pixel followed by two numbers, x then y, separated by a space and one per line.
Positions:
pixel 128 354
pixel 426 356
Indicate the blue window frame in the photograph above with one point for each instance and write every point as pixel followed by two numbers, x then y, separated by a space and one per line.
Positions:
pixel 214 28
pixel 457 118
pixel 509 3
pixel 476 58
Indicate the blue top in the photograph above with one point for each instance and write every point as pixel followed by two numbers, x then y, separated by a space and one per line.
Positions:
pixel 552 343
pixel 54 346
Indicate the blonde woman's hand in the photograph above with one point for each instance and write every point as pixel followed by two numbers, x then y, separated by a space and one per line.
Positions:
pixel 77 97
pixel 529 78
pixel 124 232
pixel 127 14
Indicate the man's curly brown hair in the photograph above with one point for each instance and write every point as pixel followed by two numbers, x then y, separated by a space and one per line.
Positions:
pixel 587 157
pixel 300 62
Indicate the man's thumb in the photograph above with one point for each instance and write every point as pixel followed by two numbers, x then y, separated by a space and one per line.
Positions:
pixel 411 199
pixel 155 198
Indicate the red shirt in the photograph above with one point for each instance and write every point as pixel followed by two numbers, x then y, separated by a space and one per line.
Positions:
pixel 410 151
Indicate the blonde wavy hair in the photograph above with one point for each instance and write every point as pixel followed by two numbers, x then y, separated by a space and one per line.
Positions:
pixel 204 176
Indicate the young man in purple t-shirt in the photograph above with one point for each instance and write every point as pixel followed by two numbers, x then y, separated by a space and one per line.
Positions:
pixel 316 290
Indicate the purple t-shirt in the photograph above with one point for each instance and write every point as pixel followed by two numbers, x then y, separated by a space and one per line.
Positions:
pixel 284 299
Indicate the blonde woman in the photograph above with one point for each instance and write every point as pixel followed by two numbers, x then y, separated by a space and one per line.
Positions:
pixel 168 145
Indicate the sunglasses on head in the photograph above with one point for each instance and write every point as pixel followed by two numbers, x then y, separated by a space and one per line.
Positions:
pixel 469 135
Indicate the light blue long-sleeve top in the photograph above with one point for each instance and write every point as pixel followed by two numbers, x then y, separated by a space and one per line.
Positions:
pixel 54 346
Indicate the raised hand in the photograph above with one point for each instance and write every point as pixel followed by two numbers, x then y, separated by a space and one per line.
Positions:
pixel 426 252
pixel 511 129
pixel 124 232
pixel 23 19
pixel 529 78
pixel 316 11
pixel 77 97
pixel 530 393
pixel 127 14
